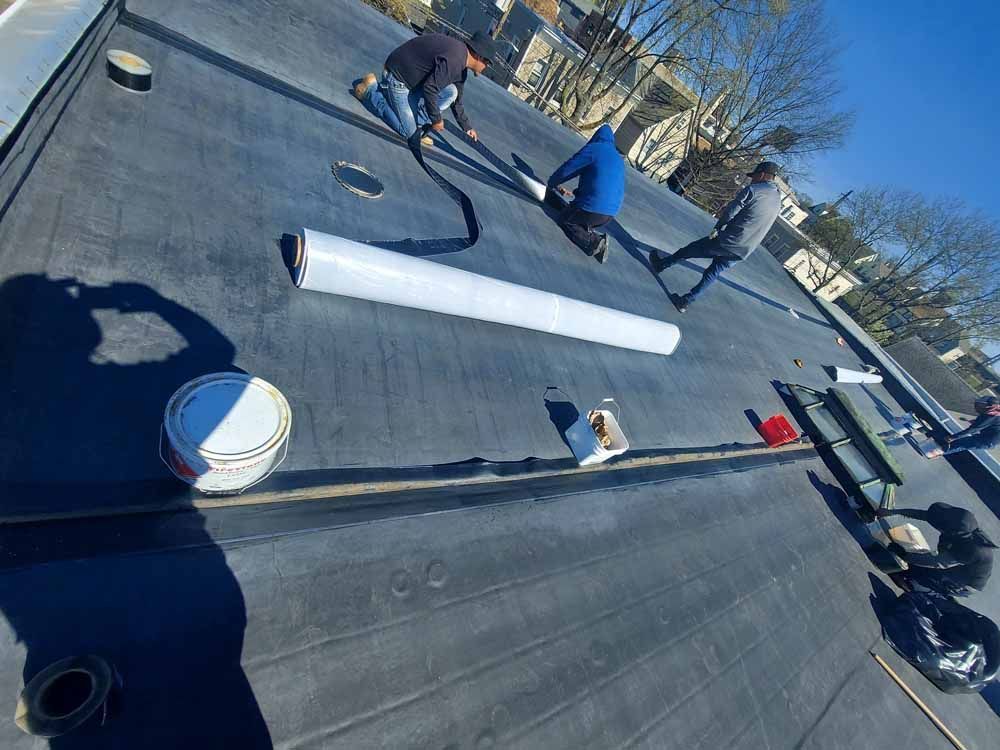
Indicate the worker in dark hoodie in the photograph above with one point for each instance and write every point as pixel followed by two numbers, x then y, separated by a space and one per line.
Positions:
pixel 422 77
pixel 598 195
pixel 964 558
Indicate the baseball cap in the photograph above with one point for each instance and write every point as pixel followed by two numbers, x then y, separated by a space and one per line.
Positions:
pixel 482 45
pixel 767 167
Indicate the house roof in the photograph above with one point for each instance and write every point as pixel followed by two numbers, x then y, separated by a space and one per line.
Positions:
pixel 923 363
pixel 719 602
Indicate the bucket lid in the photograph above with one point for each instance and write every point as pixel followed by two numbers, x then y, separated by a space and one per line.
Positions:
pixel 227 416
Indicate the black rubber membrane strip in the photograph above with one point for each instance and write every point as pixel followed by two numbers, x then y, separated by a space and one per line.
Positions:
pixel 410 246
pixel 25 544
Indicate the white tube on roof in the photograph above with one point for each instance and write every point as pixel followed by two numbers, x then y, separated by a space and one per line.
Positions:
pixel 35 37
pixel 532 186
pixel 853 376
pixel 334 265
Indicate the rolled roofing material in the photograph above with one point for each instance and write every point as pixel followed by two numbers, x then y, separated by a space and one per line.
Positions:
pixel 335 265
pixel 853 376
pixel 129 71
pixel 64 695
pixel 533 187
pixel 530 185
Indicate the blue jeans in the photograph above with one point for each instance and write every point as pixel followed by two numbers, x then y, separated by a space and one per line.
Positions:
pixel 980 441
pixel 705 248
pixel 401 109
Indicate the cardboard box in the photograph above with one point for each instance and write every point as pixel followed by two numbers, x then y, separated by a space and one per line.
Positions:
pixel 909 537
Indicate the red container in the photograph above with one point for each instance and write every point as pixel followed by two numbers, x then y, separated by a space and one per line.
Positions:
pixel 777 431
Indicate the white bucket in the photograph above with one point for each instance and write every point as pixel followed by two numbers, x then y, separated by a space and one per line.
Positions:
pixel 224 432
pixel 587 447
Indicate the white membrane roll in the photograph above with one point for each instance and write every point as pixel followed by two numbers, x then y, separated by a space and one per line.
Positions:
pixel 334 265
pixel 531 186
pixel 853 376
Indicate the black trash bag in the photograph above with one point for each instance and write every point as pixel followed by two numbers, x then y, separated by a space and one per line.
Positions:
pixel 955 648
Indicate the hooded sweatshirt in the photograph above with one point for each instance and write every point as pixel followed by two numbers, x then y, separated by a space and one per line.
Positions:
pixel 601 170
pixel 962 548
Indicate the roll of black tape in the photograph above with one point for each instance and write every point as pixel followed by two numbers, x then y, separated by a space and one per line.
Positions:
pixel 66 695
pixel 129 71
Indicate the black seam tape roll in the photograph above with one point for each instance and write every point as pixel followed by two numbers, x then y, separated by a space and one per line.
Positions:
pixel 65 696
pixel 129 71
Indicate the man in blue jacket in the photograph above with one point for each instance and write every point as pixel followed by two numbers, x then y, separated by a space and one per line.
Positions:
pixel 740 228
pixel 599 194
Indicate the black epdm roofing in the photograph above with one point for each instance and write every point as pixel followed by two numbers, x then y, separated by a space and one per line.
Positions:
pixel 715 604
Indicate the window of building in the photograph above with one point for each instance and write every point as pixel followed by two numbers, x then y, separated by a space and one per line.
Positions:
pixel 537 71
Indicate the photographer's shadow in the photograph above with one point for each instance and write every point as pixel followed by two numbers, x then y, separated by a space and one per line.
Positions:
pixel 90 370
pixel 86 391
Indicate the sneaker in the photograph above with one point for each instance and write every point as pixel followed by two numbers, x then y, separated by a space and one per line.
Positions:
pixel 658 262
pixel 680 301
pixel 362 86
pixel 426 142
pixel 602 249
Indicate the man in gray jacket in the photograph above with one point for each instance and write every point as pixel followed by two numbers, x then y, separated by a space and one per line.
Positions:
pixel 740 228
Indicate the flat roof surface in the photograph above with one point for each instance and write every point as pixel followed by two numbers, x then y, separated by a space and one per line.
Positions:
pixel 139 248
pixel 157 260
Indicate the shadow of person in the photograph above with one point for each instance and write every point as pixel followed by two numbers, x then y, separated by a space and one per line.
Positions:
pixel 84 414
pixel 87 371
pixel 562 414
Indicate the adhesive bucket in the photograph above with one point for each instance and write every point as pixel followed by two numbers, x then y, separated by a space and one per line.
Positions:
pixel 225 431
pixel 587 447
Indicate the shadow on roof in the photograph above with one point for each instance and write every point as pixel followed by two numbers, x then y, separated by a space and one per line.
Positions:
pixel 173 626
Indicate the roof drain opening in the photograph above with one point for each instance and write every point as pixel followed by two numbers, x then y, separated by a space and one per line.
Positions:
pixel 357 179
pixel 129 71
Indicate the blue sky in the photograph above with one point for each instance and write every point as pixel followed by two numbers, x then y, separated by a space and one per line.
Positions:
pixel 924 80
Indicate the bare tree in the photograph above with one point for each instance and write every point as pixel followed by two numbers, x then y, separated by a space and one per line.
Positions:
pixel 770 92
pixel 866 221
pixel 940 267
pixel 659 145
pixel 630 39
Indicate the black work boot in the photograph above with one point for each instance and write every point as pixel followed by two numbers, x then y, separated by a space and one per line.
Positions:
pixel 680 301
pixel 658 262
pixel 602 249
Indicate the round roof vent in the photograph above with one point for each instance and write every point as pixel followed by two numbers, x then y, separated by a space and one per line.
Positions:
pixel 357 179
